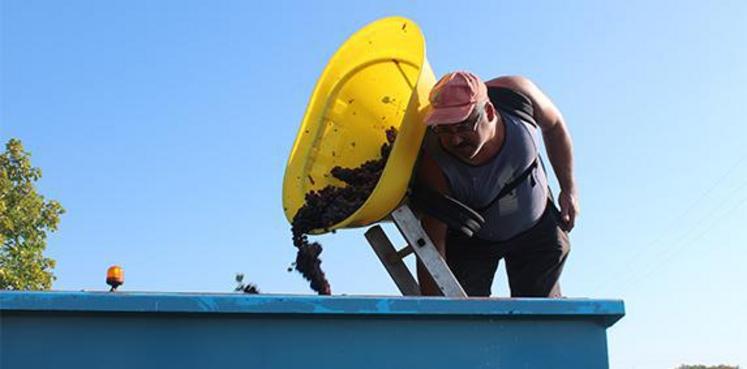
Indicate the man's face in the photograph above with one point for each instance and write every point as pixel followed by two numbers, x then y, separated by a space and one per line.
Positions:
pixel 466 138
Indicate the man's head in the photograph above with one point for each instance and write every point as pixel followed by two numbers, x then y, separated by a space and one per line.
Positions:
pixel 461 115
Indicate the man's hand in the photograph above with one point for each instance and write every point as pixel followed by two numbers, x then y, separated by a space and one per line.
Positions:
pixel 569 209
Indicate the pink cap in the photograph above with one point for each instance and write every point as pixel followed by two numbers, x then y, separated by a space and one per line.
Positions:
pixel 454 97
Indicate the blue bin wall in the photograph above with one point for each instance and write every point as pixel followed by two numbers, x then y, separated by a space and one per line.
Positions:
pixel 145 330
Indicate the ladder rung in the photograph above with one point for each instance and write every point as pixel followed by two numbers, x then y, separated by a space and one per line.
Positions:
pixel 402 253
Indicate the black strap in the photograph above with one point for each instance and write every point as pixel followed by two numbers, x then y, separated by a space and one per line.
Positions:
pixel 512 101
pixel 445 208
pixel 510 186
pixel 516 103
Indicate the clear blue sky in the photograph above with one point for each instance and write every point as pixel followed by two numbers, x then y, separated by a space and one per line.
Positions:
pixel 163 127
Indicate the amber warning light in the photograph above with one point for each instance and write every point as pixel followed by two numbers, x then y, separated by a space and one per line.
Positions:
pixel 115 277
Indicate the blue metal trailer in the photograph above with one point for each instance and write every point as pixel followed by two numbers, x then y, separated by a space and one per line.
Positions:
pixel 185 330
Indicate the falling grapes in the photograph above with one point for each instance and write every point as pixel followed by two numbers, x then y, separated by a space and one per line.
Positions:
pixel 331 205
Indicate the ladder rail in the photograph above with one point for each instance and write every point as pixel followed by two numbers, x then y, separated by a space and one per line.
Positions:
pixel 420 244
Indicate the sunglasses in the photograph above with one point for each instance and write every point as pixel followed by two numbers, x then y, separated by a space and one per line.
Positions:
pixel 467 126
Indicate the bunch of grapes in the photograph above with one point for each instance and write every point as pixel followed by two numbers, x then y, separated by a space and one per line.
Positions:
pixel 331 205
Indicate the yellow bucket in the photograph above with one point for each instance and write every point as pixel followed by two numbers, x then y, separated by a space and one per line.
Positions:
pixel 379 78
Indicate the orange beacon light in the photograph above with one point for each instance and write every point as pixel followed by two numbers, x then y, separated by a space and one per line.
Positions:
pixel 114 277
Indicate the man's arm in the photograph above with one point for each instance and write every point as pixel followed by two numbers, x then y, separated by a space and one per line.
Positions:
pixel 430 174
pixel 557 140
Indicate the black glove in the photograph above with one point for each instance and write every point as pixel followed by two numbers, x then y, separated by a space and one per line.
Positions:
pixel 445 208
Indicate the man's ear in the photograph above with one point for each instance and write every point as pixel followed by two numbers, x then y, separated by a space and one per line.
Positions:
pixel 490 110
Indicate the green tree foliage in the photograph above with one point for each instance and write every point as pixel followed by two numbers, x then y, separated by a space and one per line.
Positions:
pixel 25 219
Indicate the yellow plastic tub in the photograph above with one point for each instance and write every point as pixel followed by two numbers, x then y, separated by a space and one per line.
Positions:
pixel 379 78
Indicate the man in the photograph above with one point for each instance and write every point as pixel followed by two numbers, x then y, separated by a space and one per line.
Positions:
pixel 485 153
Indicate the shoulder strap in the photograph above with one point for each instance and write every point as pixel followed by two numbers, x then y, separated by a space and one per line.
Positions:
pixel 518 104
pixel 513 102
pixel 510 186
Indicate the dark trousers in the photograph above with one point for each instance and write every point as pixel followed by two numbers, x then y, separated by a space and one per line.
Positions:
pixel 534 259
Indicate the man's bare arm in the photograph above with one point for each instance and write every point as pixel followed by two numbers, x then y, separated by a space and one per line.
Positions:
pixel 557 140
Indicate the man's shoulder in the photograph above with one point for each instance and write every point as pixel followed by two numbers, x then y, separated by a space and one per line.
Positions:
pixel 514 82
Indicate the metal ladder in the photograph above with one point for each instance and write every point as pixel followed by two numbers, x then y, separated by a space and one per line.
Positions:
pixel 419 243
